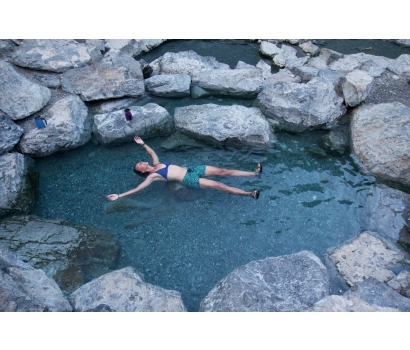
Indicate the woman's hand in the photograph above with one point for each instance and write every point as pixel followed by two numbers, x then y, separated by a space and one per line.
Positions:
pixel 138 140
pixel 113 197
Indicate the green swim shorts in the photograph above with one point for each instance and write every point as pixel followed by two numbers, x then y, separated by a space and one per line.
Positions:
pixel 193 174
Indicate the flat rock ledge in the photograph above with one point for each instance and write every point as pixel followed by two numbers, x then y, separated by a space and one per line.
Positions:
pixel 287 283
pixel 125 291
pixel 25 289
pixel 232 125
pixel 380 137
pixel 367 255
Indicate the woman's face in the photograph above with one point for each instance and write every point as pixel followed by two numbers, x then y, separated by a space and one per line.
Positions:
pixel 142 166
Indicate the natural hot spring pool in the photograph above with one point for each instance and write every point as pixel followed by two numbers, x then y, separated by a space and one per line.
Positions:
pixel 306 203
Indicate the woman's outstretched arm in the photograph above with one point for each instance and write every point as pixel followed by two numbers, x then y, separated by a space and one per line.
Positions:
pixel 142 185
pixel 150 151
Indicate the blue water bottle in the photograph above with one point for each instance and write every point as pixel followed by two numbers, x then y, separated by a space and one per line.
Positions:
pixel 40 122
pixel 128 114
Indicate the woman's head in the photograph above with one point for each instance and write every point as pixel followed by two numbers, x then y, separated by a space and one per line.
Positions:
pixel 141 169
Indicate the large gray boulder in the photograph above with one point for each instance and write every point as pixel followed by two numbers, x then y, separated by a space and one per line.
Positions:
pixel 245 83
pixel 117 75
pixel 310 48
pixel 367 255
pixel 387 212
pixel 375 292
pixel 169 85
pixel 20 97
pixel 55 55
pixel 18 184
pixel 10 133
pixel 235 125
pixel 287 57
pixel 356 87
pixel 68 127
pixel 401 65
pixel 184 62
pixel 125 291
pixel 25 289
pixel 268 49
pixel 133 47
pixel 380 135
pixel 286 283
pixel 341 303
pixel 300 107
pixel 67 253
pixel 348 63
pixel 148 121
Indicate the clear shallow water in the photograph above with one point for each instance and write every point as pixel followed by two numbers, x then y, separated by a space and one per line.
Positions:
pixel 306 203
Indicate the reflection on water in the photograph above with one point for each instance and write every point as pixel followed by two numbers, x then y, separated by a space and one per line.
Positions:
pixel 306 203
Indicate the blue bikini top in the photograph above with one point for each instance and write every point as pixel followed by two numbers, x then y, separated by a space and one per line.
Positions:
pixel 164 171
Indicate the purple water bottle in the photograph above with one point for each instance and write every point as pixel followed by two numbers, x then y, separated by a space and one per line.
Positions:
pixel 128 114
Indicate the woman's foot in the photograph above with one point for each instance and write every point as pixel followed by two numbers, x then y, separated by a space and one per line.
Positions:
pixel 255 194
pixel 258 171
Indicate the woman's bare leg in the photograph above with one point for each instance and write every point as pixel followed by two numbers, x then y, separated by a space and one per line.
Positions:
pixel 206 183
pixel 214 171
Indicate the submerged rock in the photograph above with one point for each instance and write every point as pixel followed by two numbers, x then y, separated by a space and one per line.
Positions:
pixel 235 125
pixel 148 121
pixel 380 137
pixel 20 97
pixel 178 139
pixel 125 291
pixel 69 254
pixel 286 283
pixel 336 142
pixel 25 289
pixel 18 184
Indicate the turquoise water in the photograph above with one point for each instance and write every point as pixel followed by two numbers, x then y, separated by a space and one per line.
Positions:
pixel 188 244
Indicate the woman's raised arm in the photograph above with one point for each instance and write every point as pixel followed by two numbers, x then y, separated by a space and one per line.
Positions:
pixel 150 151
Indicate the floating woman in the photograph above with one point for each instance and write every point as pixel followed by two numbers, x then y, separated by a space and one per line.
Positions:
pixel 192 176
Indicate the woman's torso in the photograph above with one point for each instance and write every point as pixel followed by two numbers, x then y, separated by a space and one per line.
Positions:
pixel 170 172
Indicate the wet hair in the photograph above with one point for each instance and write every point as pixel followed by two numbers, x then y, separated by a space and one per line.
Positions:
pixel 139 172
